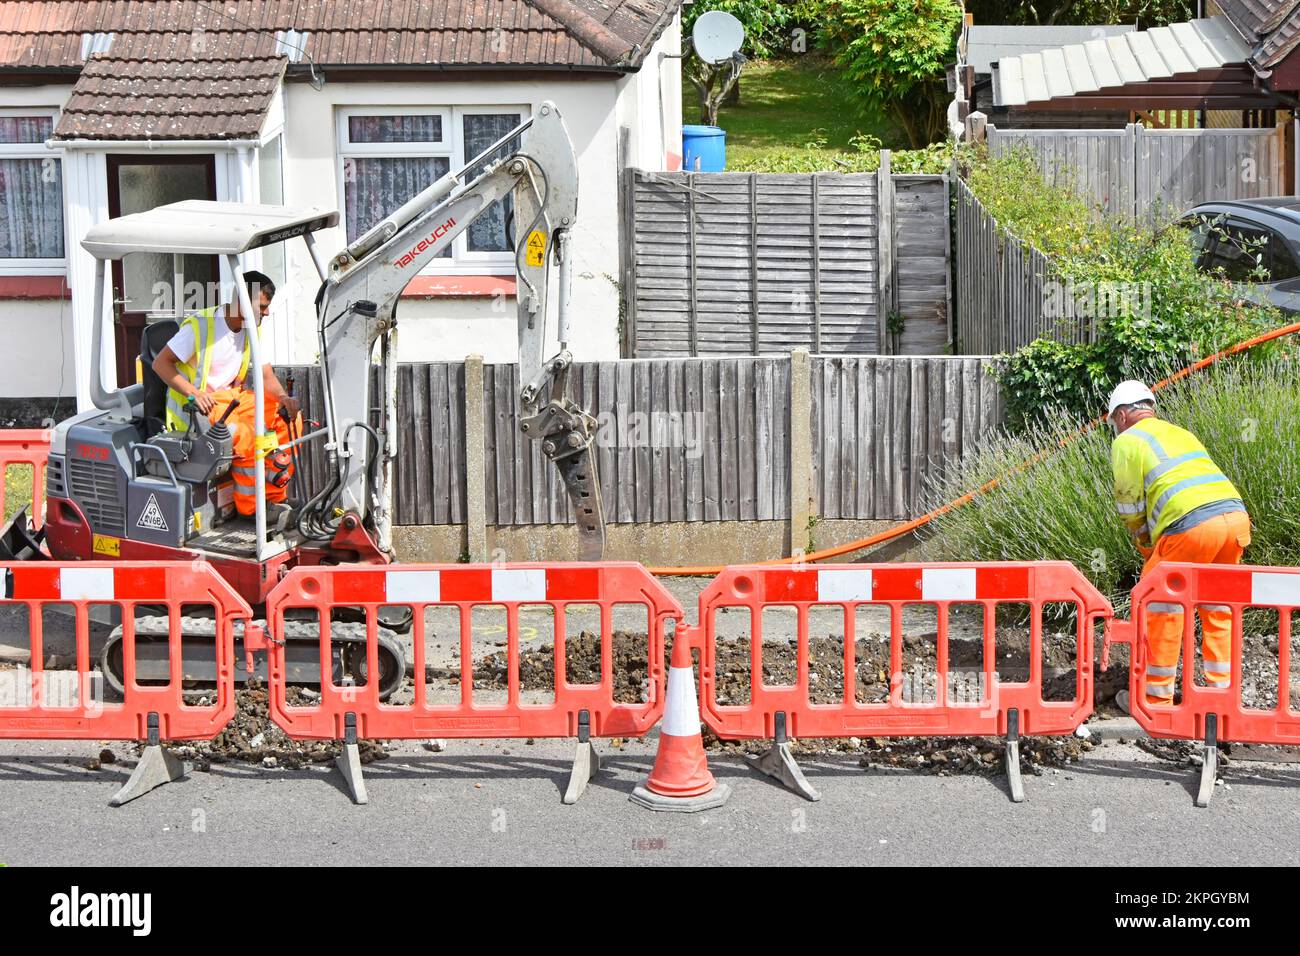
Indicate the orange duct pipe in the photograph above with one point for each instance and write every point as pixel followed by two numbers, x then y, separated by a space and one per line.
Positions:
pixel 909 526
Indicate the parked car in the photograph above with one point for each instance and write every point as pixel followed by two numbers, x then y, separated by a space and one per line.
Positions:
pixel 1254 242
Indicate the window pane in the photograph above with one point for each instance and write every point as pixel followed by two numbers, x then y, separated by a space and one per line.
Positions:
pixel 270 163
pixel 1239 253
pixel 1284 264
pixel 31 208
pixel 481 130
pixel 376 186
pixel 143 186
pixel 25 129
pixel 426 128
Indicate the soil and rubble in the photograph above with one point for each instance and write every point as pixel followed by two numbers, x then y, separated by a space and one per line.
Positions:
pixel 252 737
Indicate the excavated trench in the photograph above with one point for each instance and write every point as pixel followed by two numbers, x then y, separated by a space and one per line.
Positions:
pixel 251 737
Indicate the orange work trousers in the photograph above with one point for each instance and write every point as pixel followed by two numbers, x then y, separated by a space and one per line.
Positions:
pixel 1219 540
pixel 242 434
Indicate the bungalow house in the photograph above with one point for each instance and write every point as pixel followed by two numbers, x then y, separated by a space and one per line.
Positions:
pixel 108 108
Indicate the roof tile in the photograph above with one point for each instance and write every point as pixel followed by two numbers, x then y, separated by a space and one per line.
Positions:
pixel 583 34
pixel 119 97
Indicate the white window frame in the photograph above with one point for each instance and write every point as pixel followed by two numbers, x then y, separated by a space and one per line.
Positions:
pixel 462 260
pixel 37 267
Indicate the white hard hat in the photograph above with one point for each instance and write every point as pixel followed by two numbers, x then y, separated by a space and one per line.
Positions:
pixel 1129 393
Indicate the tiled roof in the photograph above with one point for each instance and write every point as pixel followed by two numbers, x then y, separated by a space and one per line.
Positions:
pixel 1271 26
pixel 574 34
pixel 121 97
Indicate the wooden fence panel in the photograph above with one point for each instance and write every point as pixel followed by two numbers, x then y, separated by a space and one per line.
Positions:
pixel 688 440
pixel 748 263
pixel 1154 173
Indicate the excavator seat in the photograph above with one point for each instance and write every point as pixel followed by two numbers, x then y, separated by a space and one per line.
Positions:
pixel 153 339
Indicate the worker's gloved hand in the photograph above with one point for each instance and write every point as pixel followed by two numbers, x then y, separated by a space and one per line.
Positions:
pixel 291 406
pixel 1145 550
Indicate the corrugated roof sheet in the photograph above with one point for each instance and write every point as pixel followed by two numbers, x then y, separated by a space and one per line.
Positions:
pixel 172 95
pixel 582 34
pixel 987 44
pixel 1112 61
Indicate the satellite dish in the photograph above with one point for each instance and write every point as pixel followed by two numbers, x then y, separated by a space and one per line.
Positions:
pixel 717 36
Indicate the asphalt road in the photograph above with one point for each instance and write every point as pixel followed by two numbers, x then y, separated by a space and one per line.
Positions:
pixel 499 802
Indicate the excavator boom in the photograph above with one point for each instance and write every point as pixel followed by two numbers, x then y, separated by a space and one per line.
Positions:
pixel 356 309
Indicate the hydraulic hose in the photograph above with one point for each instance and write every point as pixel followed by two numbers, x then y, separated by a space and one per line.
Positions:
pixel 889 534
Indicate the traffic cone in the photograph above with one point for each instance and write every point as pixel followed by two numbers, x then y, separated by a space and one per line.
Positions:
pixel 680 779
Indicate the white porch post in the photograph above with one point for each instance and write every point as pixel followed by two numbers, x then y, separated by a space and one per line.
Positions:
pixel 85 186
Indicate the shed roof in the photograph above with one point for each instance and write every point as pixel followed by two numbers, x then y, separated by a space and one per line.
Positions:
pixel 987 44
pixel 1137 57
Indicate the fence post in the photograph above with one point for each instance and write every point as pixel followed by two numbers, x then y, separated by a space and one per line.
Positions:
pixel 884 251
pixel 801 458
pixel 475 466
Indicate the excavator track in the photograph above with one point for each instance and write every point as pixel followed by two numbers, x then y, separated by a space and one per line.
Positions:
pixel 302 654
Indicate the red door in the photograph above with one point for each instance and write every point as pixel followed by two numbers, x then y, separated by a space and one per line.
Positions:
pixel 143 281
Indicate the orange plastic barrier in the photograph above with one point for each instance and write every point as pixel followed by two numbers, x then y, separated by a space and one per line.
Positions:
pixel 346 712
pixel 39 704
pixel 26 446
pixel 36 703
pixel 994 706
pixel 1212 714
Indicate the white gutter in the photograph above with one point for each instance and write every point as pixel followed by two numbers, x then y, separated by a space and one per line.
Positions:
pixel 152 144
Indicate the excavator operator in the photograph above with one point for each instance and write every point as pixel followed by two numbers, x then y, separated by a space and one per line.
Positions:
pixel 207 361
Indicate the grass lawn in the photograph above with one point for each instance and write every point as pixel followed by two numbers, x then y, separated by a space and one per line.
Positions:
pixel 793 116
pixel 18 489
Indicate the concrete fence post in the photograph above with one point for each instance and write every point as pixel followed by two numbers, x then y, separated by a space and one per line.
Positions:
pixel 801 455
pixel 475 466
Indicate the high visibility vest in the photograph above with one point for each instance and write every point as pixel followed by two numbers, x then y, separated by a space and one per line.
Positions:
pixel 205 327
pixel 1162 473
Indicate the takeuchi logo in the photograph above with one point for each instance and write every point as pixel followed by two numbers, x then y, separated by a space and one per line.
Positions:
pixel 425 243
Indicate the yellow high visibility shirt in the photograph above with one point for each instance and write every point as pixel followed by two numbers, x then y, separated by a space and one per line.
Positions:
pixel 1162 474
pixel 204 325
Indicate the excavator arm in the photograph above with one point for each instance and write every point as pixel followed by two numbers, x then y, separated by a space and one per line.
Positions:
pixel 356 311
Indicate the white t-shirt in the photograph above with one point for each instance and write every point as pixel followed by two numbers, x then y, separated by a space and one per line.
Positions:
pixel 227 350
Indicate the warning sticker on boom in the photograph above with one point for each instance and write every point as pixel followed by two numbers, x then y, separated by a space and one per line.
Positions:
pixel 535 253
pixel 151 518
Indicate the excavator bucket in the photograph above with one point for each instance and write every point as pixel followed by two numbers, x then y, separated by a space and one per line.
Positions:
pixel 19 541
pixel 580 479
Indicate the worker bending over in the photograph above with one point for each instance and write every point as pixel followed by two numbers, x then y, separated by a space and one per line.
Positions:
pixel 207 359
pixel 1178 506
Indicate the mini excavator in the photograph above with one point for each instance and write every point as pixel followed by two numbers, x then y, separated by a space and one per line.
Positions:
pixel 121 486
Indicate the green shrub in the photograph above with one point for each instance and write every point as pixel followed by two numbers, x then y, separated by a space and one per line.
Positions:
pixel 895 52
pixel 1062 506
pixel 1151 310
pixel 813 156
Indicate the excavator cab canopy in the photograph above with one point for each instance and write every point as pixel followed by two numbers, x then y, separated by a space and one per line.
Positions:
pixel 202 227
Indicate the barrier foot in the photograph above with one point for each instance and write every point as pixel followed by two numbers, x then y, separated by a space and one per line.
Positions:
pixel 1014 783
pixel 155 768
pixel 1210 761
pixel 349 762
pixel 586 762
pixel 779 764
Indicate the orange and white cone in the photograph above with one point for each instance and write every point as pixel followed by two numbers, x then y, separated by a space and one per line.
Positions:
pixel 680 779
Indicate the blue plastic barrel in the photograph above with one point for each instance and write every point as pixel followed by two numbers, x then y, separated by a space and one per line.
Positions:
pixel 704 149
